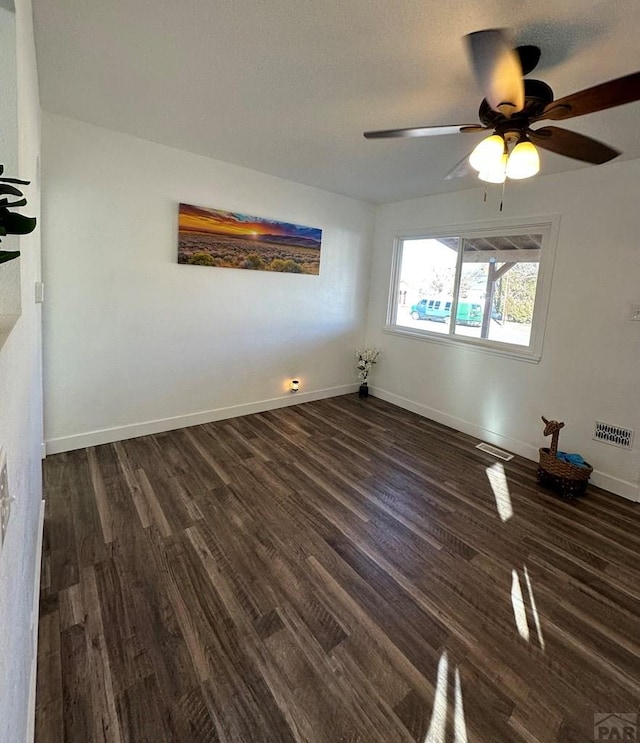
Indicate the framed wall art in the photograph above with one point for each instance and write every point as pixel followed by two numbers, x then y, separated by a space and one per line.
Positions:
pixel 222 239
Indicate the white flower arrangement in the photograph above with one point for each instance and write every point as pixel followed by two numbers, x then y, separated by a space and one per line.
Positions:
pixel 365 360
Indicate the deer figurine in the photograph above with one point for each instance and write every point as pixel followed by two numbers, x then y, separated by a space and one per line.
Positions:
pixel 566 477
pixel 553 428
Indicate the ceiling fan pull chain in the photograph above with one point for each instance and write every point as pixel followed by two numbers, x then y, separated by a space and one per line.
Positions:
pixel 504 183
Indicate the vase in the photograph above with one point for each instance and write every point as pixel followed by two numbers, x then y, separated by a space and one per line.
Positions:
pixel 364 390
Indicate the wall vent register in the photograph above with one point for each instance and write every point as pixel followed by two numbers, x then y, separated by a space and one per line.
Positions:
pixel 495 452
pixel 614 435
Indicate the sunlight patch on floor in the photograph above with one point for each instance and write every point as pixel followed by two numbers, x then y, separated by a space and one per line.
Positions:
pixel 437 732
pixel 534 608
pixel 500 487
pixel 438 726
pixel 519 609
pixel 519 603
pixel 459 723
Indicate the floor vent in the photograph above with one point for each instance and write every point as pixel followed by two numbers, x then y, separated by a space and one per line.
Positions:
pixel 504 455
pixel 622 437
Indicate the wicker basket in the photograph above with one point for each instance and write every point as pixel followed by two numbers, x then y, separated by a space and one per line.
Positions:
pixel 565 478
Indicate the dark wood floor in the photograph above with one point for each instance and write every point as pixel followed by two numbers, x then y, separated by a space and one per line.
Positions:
pixel 338 571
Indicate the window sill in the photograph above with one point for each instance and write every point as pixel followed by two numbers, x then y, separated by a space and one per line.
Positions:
pixel 519 353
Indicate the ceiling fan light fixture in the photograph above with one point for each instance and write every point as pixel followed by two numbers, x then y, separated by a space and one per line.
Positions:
pixel 523 162
pixel 495 172
pixel 487 154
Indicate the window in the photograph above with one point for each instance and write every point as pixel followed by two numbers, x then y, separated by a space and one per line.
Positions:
pixel 487 288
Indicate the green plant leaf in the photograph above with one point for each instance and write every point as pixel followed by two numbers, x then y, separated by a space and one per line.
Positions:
pixel 14 180
pixel 10 190
pixel 4 203
pixel 8 255
pixel 18 224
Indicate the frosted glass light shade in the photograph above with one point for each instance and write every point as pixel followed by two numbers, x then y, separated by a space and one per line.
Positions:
pixel 487 153
pixel 495 173
pixel 524 161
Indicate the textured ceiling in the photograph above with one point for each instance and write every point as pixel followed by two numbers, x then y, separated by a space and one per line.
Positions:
pixel 288 86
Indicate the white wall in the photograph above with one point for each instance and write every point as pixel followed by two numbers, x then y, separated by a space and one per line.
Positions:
pixel 21 418
pixel 591 358
pixel 136 343
pixel 10 273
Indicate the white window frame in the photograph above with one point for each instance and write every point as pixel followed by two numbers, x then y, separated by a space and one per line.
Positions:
pixel 547 226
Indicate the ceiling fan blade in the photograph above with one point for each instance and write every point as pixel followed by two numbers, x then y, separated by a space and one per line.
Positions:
pixel 425 131
pixel 572 144
pixel 498 70
pixel 460 169
pixel 606 95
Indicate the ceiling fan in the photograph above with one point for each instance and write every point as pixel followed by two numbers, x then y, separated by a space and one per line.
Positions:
pixel 512 104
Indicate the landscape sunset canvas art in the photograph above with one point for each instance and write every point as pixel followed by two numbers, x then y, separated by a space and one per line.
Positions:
pixel 211 237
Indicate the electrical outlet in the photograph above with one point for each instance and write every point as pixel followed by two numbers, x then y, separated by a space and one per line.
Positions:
pixel 5 498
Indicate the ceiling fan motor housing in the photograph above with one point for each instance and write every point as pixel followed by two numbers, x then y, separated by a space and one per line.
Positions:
pixel 537 95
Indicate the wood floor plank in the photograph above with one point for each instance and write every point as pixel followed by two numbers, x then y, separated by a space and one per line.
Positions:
pixel 90 545
pixel 153 508
pixel 140 502
pixel 102 500
pixel 49 682
pixel 76 707
pixel 145 717
pixel 61 566
pixel 106 727
pixel 333 572
pixel 123 636
pixel 146 571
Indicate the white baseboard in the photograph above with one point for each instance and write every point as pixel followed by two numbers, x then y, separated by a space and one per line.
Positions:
pixel 131 431
pixel 614 485
pixel 35 613
pixel 603 480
